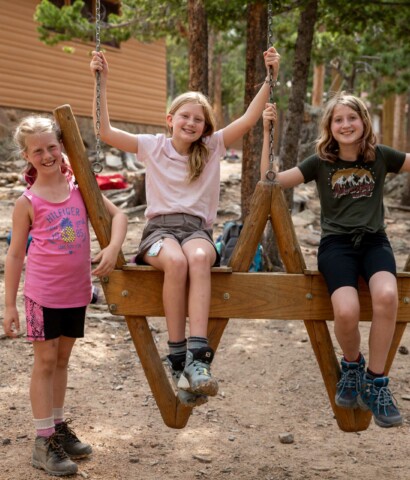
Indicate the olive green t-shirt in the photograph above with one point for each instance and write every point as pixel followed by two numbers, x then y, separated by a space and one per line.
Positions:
pixel 351 193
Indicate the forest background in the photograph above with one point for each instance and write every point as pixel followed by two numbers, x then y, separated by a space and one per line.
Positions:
pixel 215 47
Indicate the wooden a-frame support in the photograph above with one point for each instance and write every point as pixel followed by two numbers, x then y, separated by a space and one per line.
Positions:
pixel 136 291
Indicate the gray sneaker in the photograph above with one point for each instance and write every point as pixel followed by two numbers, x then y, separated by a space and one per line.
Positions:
pixel 196 377
pixel 71 444
pixel 186 398
pixel 48 455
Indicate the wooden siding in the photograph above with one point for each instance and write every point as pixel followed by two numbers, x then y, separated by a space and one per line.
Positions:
pixel 37 77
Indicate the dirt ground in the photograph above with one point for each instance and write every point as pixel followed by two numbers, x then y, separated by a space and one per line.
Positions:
pixel 270 385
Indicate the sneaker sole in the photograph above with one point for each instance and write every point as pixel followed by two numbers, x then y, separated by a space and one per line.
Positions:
pixel 79 456
pixel 378 422
pixel 353 405
pixel 40 466
pixel 191 399
pixel 209 387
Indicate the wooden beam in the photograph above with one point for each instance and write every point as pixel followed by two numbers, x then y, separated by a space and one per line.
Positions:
pixel 243 295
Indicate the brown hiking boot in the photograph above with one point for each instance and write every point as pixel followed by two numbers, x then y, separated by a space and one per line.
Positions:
pixel 71 444
pixel 48 455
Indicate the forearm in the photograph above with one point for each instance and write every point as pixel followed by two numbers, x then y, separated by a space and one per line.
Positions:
pixel 118 230
pixel 265 154
pixel 105 126
pixel 12 274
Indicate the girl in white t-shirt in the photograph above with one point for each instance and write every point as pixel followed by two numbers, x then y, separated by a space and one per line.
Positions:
pixel 182 187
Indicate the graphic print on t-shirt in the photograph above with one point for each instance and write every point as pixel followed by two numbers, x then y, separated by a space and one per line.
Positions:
pixel 356 182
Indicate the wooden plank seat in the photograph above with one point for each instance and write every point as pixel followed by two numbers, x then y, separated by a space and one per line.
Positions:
pixel 135 291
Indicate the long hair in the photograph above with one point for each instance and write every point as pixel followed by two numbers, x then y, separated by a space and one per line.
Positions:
pixel 33 125
pixel 327 147
pixel 198 151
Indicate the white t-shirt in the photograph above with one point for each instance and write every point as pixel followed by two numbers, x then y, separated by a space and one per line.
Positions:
pixel 167 187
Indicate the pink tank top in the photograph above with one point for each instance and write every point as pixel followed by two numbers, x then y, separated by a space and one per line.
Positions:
pixel 58 268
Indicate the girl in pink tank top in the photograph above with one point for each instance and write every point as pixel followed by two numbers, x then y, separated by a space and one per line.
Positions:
pixel 57 285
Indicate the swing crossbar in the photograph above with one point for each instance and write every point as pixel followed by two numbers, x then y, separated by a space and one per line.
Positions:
pixel 272 296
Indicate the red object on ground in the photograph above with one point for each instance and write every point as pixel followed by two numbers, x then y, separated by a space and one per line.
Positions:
pixel 111 182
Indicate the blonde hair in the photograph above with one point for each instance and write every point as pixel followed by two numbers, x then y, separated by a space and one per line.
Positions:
pixel 30 126
pixel 198 151
pixel 327 147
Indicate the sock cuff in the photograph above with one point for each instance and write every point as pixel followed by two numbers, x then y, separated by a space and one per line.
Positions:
pixel 58 414
pixel 43 423
pixel 197 342
pixel 177 347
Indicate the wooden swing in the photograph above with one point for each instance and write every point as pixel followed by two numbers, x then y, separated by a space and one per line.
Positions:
pixel 299 294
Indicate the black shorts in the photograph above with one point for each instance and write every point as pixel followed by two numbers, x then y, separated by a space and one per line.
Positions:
pixel 341 262
pixel 179 226
pixel 45 323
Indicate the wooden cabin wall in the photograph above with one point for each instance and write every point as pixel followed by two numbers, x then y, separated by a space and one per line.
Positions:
pixel 36 77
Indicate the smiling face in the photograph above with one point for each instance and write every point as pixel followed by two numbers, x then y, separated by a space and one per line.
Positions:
pixel 187 123
pixel 346 126
pixel 43 151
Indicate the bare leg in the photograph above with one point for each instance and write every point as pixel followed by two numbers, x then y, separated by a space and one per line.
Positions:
pixel 42 378
pixel 383 290
pixel 172 261
pixel 346 309
pixel 65 347
pixel 201 256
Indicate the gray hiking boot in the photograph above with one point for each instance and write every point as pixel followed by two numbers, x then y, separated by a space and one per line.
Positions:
pixel 377 397
pixel 186 398
pixel 48 455
pixel 71 444
pixel 196 377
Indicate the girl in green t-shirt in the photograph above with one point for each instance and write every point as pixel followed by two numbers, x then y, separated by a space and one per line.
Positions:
pixel 349 169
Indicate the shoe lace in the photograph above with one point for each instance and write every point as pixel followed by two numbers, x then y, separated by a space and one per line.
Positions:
pixel 67 432
pixel 350 379
pixel 55 447
pixel 384 397
pixel 201 367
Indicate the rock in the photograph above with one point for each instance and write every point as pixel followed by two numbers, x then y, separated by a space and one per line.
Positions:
pixel 403 350
pixel 286 438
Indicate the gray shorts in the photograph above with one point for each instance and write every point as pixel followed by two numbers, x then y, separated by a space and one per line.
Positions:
pixel 181 227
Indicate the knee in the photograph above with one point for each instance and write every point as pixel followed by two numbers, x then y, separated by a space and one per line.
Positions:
pixel 62 361
pixel 347 316
pixel 45 365
pixel 176 266
pixel 386 300
pixel 199 261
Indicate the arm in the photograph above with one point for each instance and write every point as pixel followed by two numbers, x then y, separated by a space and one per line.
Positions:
pixel 289 178
pixel 242 125
pixel 14 265
pixel 269 116
pixel 108 255
pixel 112 136
pixel 406 165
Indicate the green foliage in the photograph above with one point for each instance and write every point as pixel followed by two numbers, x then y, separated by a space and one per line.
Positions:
pixel 365 40
pixel 58 25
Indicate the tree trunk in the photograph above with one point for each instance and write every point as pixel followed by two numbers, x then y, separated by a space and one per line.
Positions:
pixel 399 131
pixel 405 199
pixel 217 87
pixel 198 46
pixel 318 85
pixel 256 34
pixel 294 117
pixel 387 121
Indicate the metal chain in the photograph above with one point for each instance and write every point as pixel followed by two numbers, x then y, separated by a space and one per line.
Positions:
pixel 271 174
pixel 97 165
